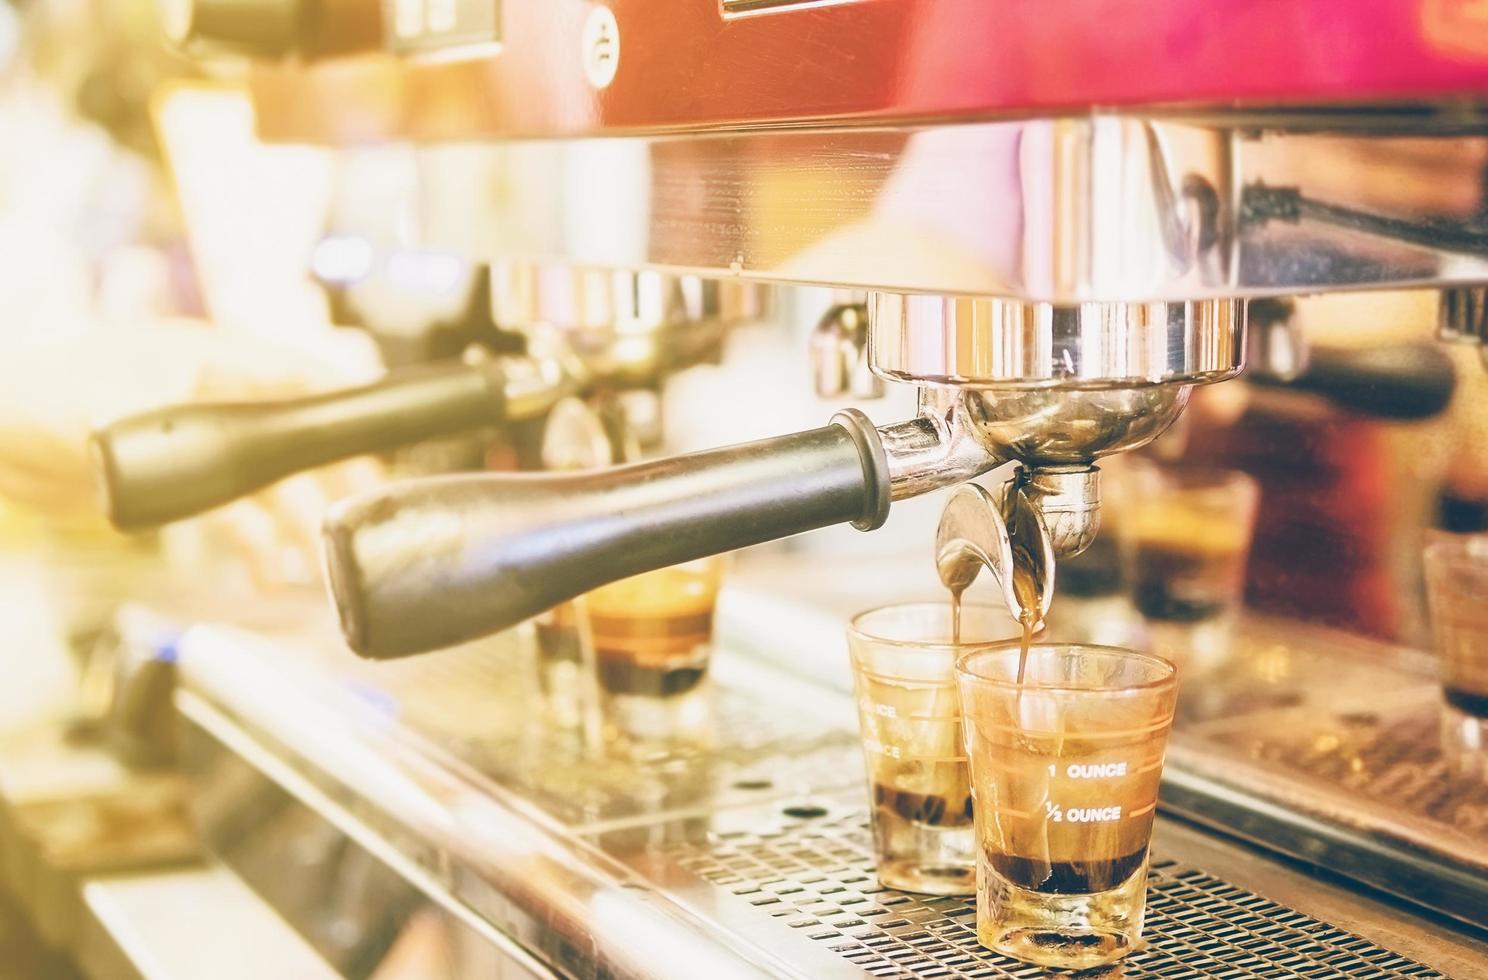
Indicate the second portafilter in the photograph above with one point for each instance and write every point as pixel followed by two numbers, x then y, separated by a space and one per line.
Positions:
pixel 587 332
pixel 424 564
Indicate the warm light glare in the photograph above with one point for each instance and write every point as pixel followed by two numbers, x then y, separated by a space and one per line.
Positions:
pixel 341 259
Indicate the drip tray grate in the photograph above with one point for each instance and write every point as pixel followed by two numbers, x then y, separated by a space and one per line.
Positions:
pixel 816 877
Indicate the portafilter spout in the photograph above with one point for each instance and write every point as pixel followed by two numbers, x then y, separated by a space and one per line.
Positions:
pixel 1004 534
pixel 1051 507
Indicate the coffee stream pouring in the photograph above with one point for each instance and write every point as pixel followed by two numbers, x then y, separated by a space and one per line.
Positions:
pixel 1005 533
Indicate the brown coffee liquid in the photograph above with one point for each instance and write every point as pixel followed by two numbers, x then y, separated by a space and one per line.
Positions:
pixel 652 633
pixel 1065 877
pixel 1027 621
pixel 922 808
pixel 620 675
pixel 1030 599
pixel 1178 585
pixel 1023 647
pixel 956 617
pixel 1187 563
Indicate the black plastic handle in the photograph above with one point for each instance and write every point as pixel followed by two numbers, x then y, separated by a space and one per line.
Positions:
pixel 1404 382
pixel 174 462
pixel 430 563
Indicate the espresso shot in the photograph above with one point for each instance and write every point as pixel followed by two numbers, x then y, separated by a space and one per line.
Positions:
pixel 1049 877
pixel 1065 756
pixel 653 641
pixel 932 810
pixel 1191 532
pixel 909 715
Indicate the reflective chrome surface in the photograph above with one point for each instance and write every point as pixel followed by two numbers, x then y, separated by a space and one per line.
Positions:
pixel 983 343
pixel 627 328
pixel 1089 208
pixel 434 770
pixel 1338 749
pixel 702 64
pixel 1068 500
pixel 578 298
pixel 839 351
pixel 937 449
pixel 1056 426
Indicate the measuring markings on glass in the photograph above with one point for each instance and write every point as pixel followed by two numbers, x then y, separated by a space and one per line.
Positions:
pixel 1101 813
pixel 1080 814
pixel 1093 770
pixel 601 46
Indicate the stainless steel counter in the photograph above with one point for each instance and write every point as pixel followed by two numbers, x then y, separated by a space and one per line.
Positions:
pixel 437 783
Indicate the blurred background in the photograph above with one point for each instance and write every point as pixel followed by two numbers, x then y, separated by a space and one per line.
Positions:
pixel 153 251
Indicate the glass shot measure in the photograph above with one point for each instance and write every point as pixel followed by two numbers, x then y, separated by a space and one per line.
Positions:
pixel 1191 531
pixel 1457 589
pixel 903 660
pixel 1065 770
pixel 653 643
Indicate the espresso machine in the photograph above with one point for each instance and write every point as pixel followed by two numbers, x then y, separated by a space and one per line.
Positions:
pixel 1053 225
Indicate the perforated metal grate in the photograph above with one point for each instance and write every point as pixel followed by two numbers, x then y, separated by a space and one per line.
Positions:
pixel 1396 761
pixel 477 703
pixel 816 876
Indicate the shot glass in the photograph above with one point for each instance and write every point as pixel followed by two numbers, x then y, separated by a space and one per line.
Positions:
pixel 560 664
pixel 1191 530
pixel 903 660
pixel 1457 589
pixel 1065 769
pixel 653 641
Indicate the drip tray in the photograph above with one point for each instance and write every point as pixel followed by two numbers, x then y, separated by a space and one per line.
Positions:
pixel 814 878
pixel 751 858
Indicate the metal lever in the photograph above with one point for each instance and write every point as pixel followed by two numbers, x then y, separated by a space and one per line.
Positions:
pixel 1405 382
pixel 174 462
pixel 441 561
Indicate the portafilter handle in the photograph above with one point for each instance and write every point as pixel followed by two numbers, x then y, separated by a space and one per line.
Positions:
pixel 174 462
pixel 430 563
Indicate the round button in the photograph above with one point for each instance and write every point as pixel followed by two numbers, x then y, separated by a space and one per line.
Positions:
pixel 601 46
